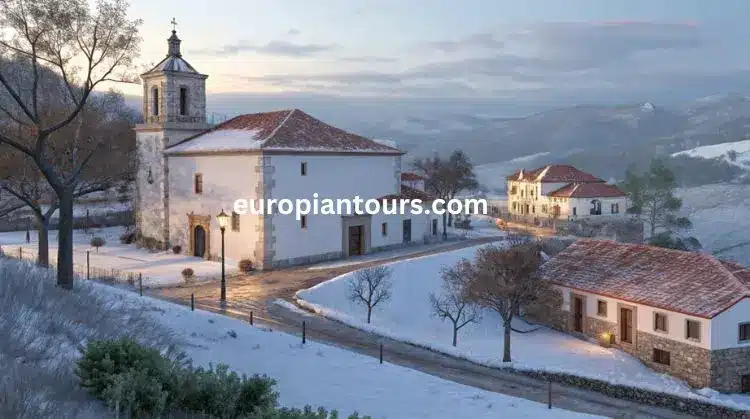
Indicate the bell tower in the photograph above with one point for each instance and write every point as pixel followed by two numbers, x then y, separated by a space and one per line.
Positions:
pixel 174 108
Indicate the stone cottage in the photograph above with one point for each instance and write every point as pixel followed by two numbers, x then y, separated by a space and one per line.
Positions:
pixel 683 313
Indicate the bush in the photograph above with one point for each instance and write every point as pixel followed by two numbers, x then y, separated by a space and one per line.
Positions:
pixel 188 273
pixel 245 265
pixel 176 249
pixel 127 238
pixel 97 242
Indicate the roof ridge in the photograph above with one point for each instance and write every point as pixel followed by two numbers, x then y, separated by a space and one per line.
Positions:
pixel 724 268
pixel 281 124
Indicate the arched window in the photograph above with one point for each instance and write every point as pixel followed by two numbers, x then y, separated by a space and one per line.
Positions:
pixel 183 101
pixel 155 101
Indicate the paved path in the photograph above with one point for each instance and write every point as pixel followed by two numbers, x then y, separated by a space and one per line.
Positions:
pixel 255 293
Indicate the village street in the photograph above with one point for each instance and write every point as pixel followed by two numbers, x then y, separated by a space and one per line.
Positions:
pixel 258 294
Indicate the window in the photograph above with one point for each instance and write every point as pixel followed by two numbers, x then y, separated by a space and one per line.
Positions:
pixel 660 322
pixel 198 183
pixel 744 332
pixel 575 211
pixel 155 101
pixel 303 169
pixel 513 190
pixel 601 308
pixel 235 221
pixel 434 227
pixel 384 229
pixel 661 357
pixel 183 100
pixel 533 209
pixel 692 330
pixel 615 208
pixel 303 221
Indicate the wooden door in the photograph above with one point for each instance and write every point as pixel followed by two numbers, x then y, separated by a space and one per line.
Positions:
pixel 407 231
pixel 355 240
pixel 199 242
pixel 578 314
pixel 626 325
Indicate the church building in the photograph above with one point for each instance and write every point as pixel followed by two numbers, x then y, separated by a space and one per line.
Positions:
pixel 190 171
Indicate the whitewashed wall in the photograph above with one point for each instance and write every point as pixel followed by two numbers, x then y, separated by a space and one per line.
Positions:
pixel 584 205
pixel 331 176
pixel 676 322
pixel 420 228
pixel 726 326
pixel 225 179
pixel 150 196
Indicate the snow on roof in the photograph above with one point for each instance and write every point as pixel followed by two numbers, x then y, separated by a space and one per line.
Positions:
pixel 691 283
pixel 286 130
pixel 555 173
pixel 172 63
pixel 588 190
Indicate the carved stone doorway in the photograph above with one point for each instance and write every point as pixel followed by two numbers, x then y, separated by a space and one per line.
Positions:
pixel 199 232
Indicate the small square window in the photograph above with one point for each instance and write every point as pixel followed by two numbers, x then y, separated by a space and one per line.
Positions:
pixel 434 227
pixel 575 211
pixel 692 330
pixel 661 356
pixel 384 229
pixel 303 221
pixel 660 322
pixel 744 332
pixel 601 308
pixel 303 169
pixel 235 221
pixel 198 183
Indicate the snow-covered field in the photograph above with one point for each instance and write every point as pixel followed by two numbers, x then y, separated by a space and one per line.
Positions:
pixel 742 148
pixel 407 317
pixel 158 268
pixel 311 374
pixel 721 218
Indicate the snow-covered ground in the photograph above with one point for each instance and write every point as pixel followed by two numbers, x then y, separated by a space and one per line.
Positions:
pixel 721 218
pixel 407 317
pixel 742 148
pixel 321 375
pixel 158 268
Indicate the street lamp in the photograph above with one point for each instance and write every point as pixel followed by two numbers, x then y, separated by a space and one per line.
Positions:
pixel 223 220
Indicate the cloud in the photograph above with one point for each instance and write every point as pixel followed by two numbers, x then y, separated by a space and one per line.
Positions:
pixel 278 48
pixel 293 32
pixel 368 59
pixel 547 60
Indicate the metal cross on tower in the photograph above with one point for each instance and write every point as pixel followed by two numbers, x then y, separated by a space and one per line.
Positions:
pixel 174 24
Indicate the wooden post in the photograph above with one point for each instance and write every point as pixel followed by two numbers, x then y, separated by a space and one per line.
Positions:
pixel 20 252
pixel 192 302
pixel 140 283
pixel 304 331
pixel 381 352
pixel 88 264
pixel 549 396
pixel 251 318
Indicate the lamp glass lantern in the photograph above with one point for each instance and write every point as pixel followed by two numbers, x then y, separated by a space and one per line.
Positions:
pixel 223 219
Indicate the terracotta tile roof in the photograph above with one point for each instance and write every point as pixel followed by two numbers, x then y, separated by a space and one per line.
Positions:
pixel 692 283
pixel 410 176
pixel 408 193
pixel 588 190
pixel 555 173
pixel 285 130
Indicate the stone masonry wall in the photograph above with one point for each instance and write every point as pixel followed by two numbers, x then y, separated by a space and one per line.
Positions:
pixel 727 368
pixel 689 362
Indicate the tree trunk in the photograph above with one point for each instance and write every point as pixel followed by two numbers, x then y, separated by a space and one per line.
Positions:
pixel 65 240
pixel 42 228
pixel 506 342
pixel 369 314
pixel 445 226
pixel 455 335
pixel 450 220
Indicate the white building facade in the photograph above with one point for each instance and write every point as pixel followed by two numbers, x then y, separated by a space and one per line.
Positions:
pixel 190 172
pixel 562 192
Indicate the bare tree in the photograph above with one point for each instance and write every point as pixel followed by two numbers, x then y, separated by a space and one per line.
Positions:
pixel 447 178
pixel 452 303
pixel 370 287
pixel 506 281
pixel 84 48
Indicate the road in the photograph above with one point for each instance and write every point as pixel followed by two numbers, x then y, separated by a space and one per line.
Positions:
pixel 254 295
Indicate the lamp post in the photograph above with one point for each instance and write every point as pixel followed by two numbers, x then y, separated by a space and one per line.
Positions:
pixel 223 220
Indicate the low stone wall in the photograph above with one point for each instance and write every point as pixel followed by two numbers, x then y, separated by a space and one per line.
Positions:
pixel 686 405
pixel 727 368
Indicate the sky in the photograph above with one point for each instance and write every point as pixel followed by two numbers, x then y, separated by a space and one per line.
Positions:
pixel 568 51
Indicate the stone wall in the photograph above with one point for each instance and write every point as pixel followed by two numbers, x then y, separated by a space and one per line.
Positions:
pixel 688 362
pixel 727 368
